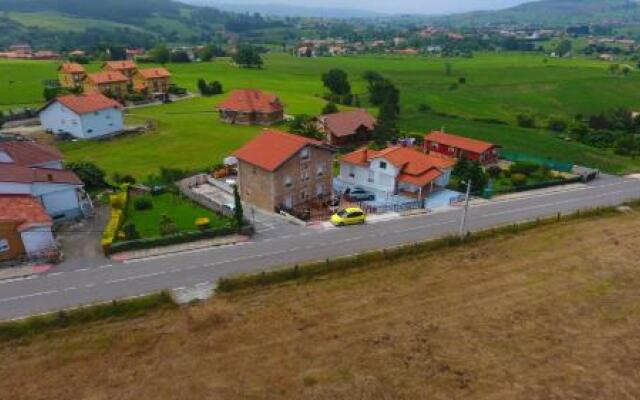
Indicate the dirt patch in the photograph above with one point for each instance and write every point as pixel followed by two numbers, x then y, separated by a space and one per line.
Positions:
pixel 550 314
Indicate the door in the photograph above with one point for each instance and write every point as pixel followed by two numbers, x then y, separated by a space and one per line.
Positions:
pixel 288 201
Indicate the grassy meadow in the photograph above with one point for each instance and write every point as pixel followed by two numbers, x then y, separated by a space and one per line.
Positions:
pixel 499 86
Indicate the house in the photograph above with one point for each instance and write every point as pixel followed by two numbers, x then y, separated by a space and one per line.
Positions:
pixel 86 116
pixel 132 54
pixel 348 128
pixel 46 55
pixel 282 170
pixel 32 169
pixel 25 228
pixel 455 146
pixel 152 81
pixel 251 107
pixel 108 83
pixel 126 67
pixel 71 75
pixel 395 171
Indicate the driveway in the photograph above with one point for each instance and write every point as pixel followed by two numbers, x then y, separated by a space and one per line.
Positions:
pixel 81 240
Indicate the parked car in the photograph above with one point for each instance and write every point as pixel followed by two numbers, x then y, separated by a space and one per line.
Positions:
pixel 359 194
pixel 349 216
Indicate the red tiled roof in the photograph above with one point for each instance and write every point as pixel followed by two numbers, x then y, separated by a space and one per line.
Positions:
pixel 87 102
pixel 71 68
pixel 107 77
pixel 28 154
pixel 20 174
pixel 154 73
pixel 273 148
pixel 460 142
pixel 251 100
pixel 346 123
pixel 120 65
pixel 415 167
pixel 23 209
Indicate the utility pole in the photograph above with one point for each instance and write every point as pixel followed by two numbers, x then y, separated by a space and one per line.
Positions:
pixel 466 209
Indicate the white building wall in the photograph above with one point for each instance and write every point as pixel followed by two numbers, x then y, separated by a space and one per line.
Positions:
pixel 37 240
pixel 58 199
pixel 59 119
pixel 101 123
pixel 373 178
pixel 443 180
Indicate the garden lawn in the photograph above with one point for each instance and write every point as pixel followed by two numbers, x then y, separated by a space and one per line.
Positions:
pixel 182 211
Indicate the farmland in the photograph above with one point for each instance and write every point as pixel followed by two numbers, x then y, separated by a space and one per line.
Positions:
pixel 550 313
pixel 498 86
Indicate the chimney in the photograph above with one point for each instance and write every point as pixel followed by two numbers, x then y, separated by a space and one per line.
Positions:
pixel 50 177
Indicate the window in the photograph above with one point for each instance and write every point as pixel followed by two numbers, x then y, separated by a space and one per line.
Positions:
pixel 452 150
pixel 304 174
pixel 89 130
pixel 320 170
pixel 371 177
pixel 319 189
pixel 352 171
pixel 287 181
pixel 303 195
pixel 434 145
pixel 304 153
pixel 383 165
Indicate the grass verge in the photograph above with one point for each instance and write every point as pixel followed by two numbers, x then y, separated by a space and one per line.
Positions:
pixel 117 309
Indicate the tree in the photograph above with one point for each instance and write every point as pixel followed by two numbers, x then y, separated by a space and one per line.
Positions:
pixel 337 82
pixel 160 54
pixel 209 89
pixel 203 87
pixel 167 226
pixel 384 92
pixel 626 70
pixel 563 48
pixel 247 56
pixel 372 77
pixel 90 174
pixel 614 69
pixel 180 56
pixel 385 129
pixel 526 121
pixel 330 108
pixel 238 212
pixel 305 125
pixel 557 125
pixel 466 169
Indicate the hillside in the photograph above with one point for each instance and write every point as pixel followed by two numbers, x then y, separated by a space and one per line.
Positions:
pixel 79 23
pixel 551 13
pixel 552 313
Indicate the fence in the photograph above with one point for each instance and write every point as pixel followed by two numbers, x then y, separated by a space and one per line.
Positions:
pixel 562 166
pixel 393 207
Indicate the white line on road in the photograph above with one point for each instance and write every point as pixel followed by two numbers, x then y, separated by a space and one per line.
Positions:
pixel 26 296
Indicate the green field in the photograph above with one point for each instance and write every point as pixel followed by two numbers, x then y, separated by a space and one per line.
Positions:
pixel 56 21
pixel 499 86
pixel 183 212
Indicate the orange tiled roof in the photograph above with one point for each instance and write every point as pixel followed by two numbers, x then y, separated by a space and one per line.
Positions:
pixel 273 148
pixel 25 210
pixel 154 73
pixel 346 123
pixel 251 100
pixel 415 167
pixel 120 65
pixel 71 68
pixel 29 154
pixel 19 174
pixel 460 142
pixel 107 77
pixel 87 102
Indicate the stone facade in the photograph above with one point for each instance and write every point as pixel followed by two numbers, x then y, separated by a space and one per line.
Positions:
pixel 305 176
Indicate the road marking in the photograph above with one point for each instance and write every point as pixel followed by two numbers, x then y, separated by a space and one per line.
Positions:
pixel 135 277
pixel 105 266
pixel 22 278
pixel 55 274
pixel 89 285
pixel 26 296
pixel 69 289
pixel 81 270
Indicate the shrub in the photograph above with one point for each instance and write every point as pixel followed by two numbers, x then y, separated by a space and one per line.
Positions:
pixel 203 223
pixel 453 86
pixel 494 171
pixel 130 232
pixel 518 179
pixel 424 107
pixel 120 179
pixel 557 125
pixel 330 108
pixel 167 226
pixel 90 174
pixel 524 167
pixel 462 80
pixel 143 203
pixel 118 201
pixel 526 121
pixel 110 231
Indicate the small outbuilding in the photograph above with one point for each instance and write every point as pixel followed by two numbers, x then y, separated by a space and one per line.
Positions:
pixel 251 107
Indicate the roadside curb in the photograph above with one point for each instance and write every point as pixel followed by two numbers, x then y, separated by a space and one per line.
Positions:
pixel 23 272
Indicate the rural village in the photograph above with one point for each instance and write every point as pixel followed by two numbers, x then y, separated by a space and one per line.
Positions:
pixel 218 201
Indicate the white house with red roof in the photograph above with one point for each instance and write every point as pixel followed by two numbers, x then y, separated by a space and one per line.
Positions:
pixel 455 146
pixel 395 171
pixel 33 169
pixel 86 116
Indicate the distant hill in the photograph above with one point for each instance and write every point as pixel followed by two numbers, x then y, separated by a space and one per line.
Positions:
pixel 84 23
pixel 287 10
pixel 550 13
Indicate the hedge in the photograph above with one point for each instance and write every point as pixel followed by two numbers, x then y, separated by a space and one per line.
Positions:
pixel 128 308
pixel 177 238
pixel 112 228
pixel 306 271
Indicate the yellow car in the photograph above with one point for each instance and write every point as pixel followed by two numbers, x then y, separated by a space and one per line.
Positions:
pixel 349 216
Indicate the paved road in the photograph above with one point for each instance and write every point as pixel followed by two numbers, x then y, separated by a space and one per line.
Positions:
pixel 72 287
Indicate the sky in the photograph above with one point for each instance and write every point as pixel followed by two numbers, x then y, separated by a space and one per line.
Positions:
pixel 396 6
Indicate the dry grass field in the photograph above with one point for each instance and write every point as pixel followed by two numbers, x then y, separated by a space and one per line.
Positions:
pixel 553 313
